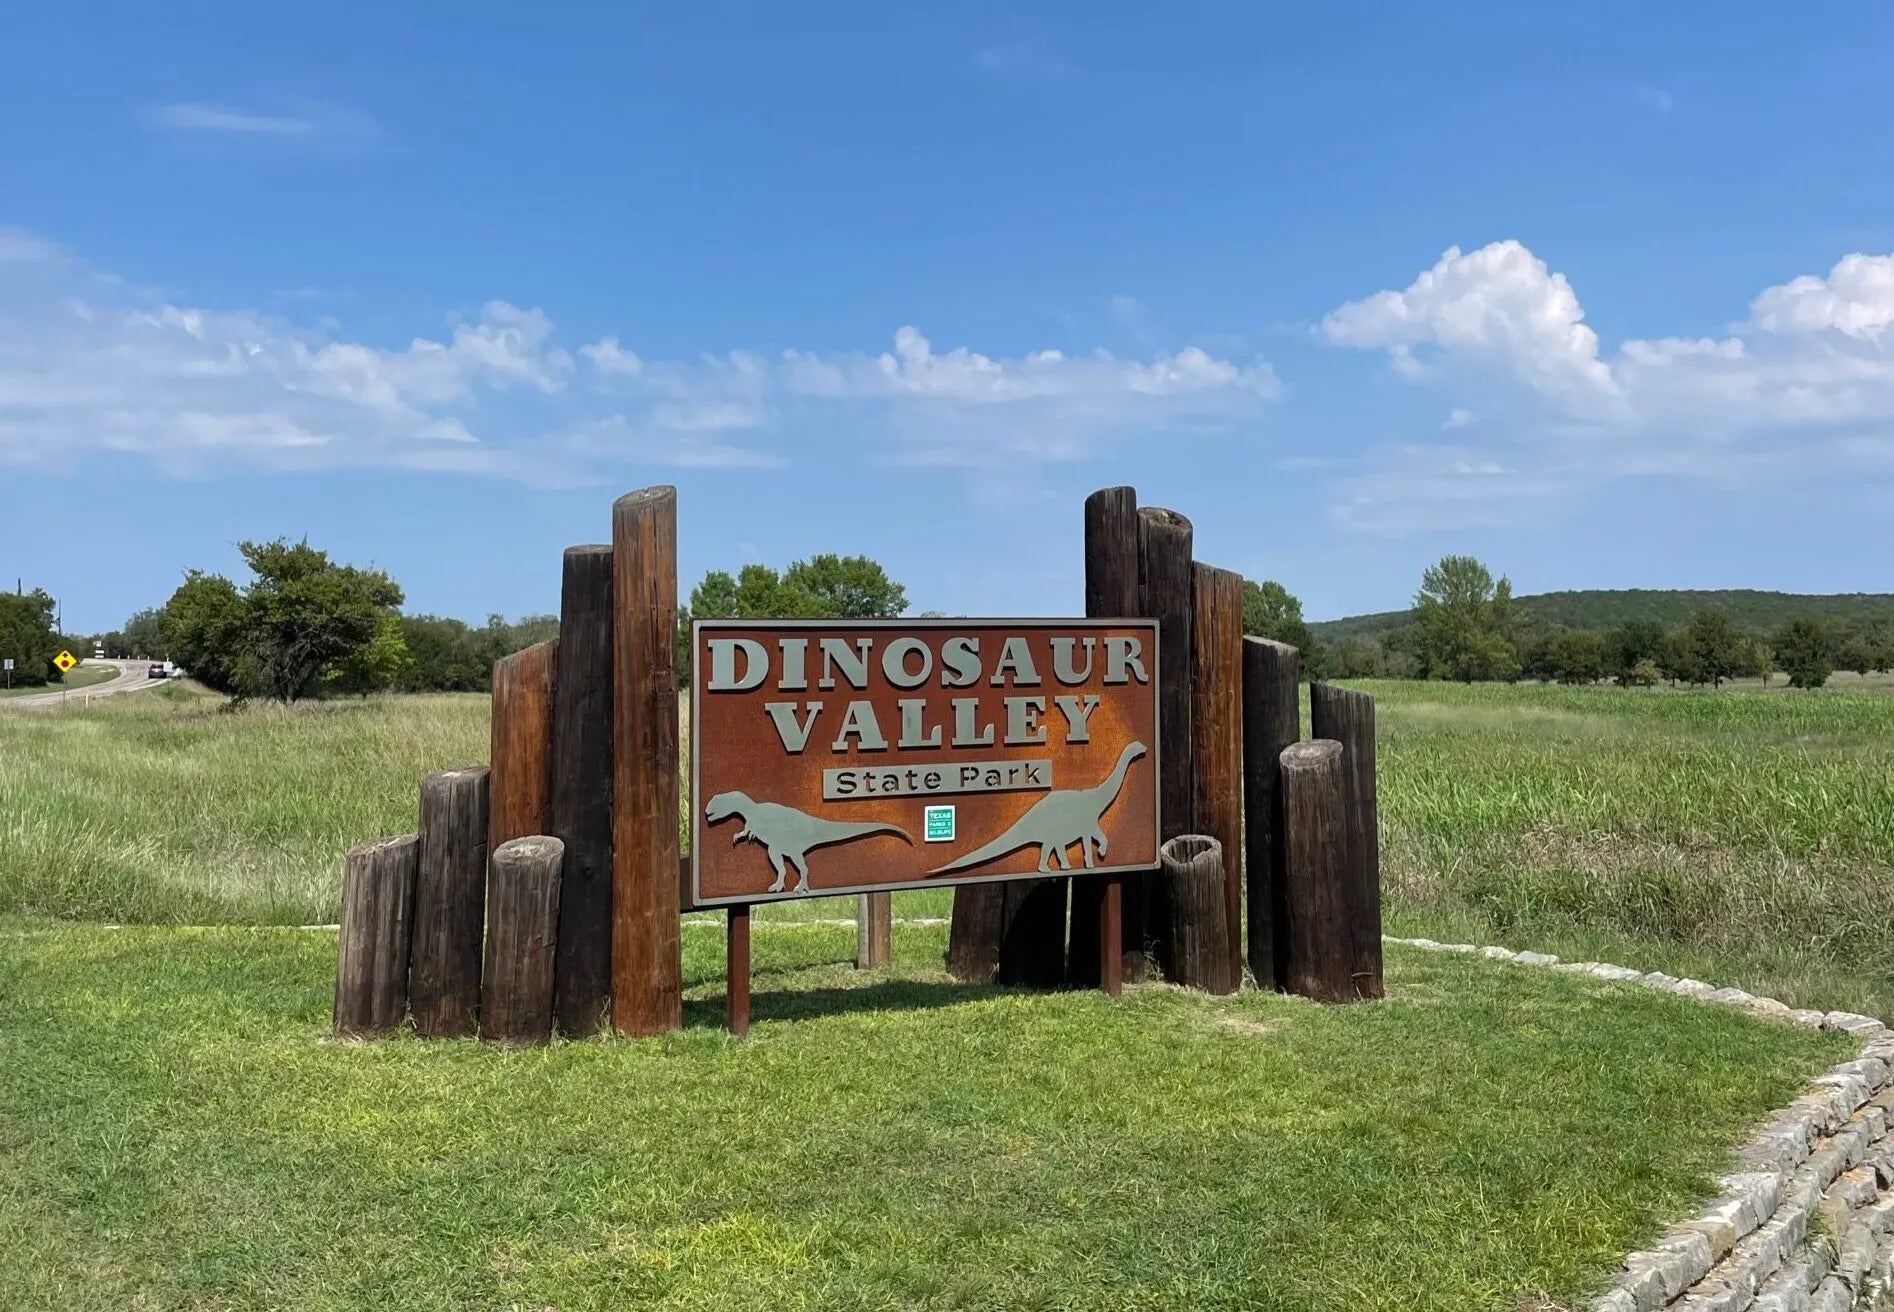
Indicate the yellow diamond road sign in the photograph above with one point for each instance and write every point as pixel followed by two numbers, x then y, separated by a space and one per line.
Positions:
pixel 64 661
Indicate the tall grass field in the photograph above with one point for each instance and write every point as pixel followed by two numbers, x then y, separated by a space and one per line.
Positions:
pixel 1744 836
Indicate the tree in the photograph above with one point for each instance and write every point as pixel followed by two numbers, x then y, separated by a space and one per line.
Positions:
pixel 1463 623
pixel 1677 659
pixel 1272 611
pixel 847 586
pixel 301 616
pixel 375 665
pixel 1717 645
pixel 1804 649
pixel 822 587
pixel 1632 643
pixel 1578 656
pixel 27 637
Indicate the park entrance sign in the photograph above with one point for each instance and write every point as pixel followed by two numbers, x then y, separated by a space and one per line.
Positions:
pixel 850 756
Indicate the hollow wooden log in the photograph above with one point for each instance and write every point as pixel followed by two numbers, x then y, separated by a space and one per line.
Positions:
pixel 1272 720
pixel 1111 592
pixel 1347 716
pixel 647 967
pixel 520 783
pixel 450 904
pixel 1216 685
pixel 1202 955
pixel 582 791
pixel 1166 593
pixel 371 969
pixel 1318 943
pixel 522 937
pixel 874 931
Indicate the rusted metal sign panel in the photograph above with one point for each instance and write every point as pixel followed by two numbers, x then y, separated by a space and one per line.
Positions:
pixel 843 756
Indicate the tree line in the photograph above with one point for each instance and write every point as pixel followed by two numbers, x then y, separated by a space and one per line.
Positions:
pixel 1465 626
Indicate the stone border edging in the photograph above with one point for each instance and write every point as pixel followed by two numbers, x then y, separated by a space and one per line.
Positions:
pixel 1808 1225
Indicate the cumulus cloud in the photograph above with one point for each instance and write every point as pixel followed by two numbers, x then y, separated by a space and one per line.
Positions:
pixel 1497 326
pixel 90 363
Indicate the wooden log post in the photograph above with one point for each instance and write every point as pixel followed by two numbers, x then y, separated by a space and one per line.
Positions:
pixel 1166 593
pixel 582 791
pixel 1272 720
pixel 1111 592
pixel 1347 716
pixel 1032 936
pixel 647 966
pixel 520 783
pixel 974 933
pixel 371 969
pixel 1216 711
pixel 1318 945
pixel 522 937
pixel 450 904
pixel 1202 954
pixel 874 931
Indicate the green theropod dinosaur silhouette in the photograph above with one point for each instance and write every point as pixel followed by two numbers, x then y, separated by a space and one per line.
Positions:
pixel 1056 821
pixel 788 834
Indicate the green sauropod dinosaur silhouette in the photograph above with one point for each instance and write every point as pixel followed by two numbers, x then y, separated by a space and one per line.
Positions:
pixel 787 834
pixel 1056 821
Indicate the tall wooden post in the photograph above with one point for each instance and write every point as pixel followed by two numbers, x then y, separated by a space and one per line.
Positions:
pixel 1202 954
pixel 522 935
pixel 1111 592
pixel 874 931
pixel 371 972
pixel 647 968
pixel 1318 942
pixel 450 904
pixel 1216 685
pixel 520 782
pixel 1347 716
pixel 1166 593
pixel 1032 937
pixel 1272 720
pixel 582 790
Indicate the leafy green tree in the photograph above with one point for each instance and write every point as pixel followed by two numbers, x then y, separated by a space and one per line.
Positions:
pixel 1644 674
pixel 27 637
pixel 1678 660
pixel 1463 622
pixel 1717 644
pixel 1272 611
pixel 822 587
pixel 378 664
pixel 1632 642
pixel 1578 656
pixel 203 627
pixel 1805 650
pixel 852 586
pixel 300 615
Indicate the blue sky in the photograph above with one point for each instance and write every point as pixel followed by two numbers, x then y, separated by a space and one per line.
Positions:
pixel 1595 292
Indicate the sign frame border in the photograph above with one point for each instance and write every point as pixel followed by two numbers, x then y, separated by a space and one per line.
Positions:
pixel 697 901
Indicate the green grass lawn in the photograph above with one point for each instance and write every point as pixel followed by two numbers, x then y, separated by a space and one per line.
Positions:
pixel 176 1132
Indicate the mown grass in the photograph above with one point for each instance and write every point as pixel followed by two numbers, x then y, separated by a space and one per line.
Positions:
pixel 178 1133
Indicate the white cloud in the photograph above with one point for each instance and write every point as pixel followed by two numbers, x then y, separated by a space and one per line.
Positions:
pixel 1459 418
pixel 1498 303
pixel 217 118
pixel 89 363
pixel 312 126
pixel 1502 329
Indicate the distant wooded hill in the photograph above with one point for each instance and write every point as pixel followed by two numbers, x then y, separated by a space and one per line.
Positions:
pixel 1747 608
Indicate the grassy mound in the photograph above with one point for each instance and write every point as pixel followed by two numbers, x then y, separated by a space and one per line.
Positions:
pixel 179 1133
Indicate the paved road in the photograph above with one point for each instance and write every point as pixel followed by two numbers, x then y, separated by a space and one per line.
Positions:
pixel 131 676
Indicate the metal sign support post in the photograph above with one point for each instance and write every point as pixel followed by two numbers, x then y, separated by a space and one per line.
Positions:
pixel 1111 962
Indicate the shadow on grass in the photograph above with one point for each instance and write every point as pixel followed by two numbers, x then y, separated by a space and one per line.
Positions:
pixel 807 1003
